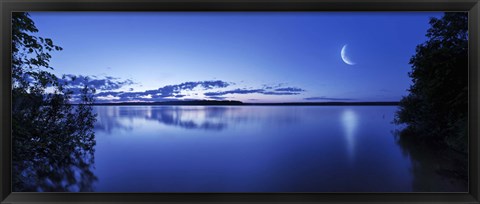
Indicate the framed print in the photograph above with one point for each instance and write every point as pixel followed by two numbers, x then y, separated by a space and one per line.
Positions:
pixel 237 101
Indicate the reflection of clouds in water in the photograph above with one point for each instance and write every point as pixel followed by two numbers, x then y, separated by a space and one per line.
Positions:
pixel 211 118
pixel 350 121
pixel 108 118
pixel 190 118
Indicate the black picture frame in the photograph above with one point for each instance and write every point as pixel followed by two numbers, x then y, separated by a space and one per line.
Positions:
pixel 8 6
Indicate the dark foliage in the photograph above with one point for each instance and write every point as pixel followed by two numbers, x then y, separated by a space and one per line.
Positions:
pixel 436 108
pixel 53 141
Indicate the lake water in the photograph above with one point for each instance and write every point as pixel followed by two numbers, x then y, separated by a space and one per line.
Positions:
pixel 249 149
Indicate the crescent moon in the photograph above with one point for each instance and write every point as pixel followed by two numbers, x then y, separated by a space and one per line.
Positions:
pixel 345 58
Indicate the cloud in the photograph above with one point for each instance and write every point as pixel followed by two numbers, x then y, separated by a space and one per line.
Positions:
pixel 106 93
pixel 279 91
pixel 205 84
pixel 235 91
pixel 172 90
pixel 109 97
pixel 167 91
pixel 273 86
pixel 290 89
pixel 107 83
pixel 107 86
pixel 326 99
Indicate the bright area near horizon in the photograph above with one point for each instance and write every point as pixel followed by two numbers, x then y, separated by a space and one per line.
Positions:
pixel 244 56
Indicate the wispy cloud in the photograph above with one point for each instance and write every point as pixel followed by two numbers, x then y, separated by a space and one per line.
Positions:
pixel 279 91
pixel 76 82
pixel 290 89
pixel 170 90
pixel 174 91
pixel 273 86
pixel 109 89
pixel 323 98
pixel 235 91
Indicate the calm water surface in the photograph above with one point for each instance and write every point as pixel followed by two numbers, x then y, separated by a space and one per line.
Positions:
pixel 248 149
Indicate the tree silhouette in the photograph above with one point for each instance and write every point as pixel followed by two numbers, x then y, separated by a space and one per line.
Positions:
pixel 436 108
pixel 53 140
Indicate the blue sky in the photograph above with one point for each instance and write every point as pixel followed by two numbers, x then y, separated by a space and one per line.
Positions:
pixel 246 56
